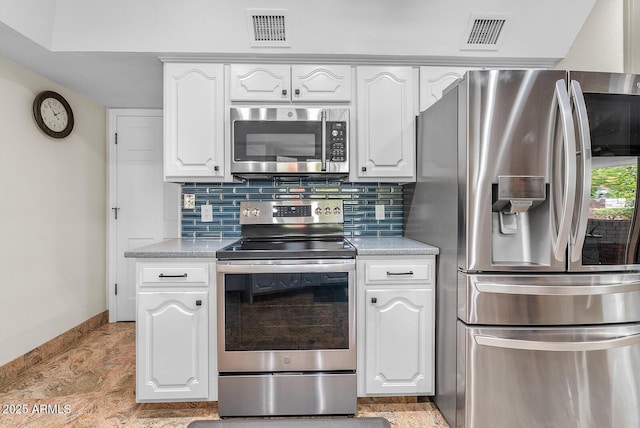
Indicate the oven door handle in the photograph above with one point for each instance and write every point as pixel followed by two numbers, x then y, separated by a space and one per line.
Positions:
pixel 286 266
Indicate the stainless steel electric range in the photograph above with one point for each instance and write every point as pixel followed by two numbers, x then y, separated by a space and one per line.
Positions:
pixel 286 312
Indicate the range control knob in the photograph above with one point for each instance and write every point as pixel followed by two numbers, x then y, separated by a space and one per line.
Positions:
pixel 318 211
pixel 327 211
pixel 255 212
pixel 334 133
pixel 336 210
pixel 245 212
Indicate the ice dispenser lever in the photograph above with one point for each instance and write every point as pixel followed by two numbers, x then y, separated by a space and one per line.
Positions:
pixel 516 206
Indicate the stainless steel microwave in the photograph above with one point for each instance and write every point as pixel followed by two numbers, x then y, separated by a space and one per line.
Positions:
pixel 289 141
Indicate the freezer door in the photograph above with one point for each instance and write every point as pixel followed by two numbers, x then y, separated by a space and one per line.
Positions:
pixel 549 377
pixel 575 299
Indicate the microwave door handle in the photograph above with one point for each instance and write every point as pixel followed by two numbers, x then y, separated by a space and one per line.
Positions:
pixel 323 116
pixel 568 135
pixel 585 151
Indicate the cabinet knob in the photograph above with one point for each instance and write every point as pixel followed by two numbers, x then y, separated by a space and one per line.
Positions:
pixel 297 91
pixel 364 169
pixel 284 92
pixel 198 302
pixel 216 168
pixel 374 300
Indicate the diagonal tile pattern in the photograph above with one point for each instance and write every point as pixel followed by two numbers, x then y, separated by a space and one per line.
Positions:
pixel 93 385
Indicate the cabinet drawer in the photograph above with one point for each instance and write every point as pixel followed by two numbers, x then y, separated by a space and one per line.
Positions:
pixel 401 272
pixel 154 274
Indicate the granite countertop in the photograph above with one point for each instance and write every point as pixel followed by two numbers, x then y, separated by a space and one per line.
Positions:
pixel 390 246
pixel 181 247
pixel 207 247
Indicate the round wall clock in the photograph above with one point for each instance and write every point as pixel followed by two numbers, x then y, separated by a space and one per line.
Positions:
pixel 53 114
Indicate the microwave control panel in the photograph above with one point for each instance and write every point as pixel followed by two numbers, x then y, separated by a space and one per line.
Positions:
pixel 336 141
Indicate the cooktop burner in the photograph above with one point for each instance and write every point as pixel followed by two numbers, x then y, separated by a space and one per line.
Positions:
pixel 287 249
pixel 294 229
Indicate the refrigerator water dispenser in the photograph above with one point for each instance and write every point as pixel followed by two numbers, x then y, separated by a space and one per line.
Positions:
pixel 516 212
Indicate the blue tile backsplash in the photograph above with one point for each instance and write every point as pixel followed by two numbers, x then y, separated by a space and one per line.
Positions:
pixel 359 201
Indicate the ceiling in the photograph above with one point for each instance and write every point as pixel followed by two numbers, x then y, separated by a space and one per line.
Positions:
pixel 112 52
pixel 112 79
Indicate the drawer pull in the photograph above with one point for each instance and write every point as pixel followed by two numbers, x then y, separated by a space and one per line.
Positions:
pixel 399 273
pixel 184 275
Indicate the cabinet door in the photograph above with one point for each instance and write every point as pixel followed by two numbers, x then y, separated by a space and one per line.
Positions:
pixel 254 82
pixel 172 358
pixel 321 83
pixel 399 342
pixel 193 121
pixel 386 110
pixel 434 80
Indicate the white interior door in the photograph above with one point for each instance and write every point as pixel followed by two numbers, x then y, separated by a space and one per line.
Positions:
pixel 144 209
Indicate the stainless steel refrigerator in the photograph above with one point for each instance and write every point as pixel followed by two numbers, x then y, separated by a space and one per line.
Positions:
pixel 527 181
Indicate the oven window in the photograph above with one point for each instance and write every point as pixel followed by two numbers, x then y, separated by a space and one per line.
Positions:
pixel 286 311
pixel 265 141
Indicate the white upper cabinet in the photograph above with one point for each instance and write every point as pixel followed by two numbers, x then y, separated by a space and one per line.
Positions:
pixel 321 83
pixel 193 122
pixel 285 83
pixel 386 107
pixel 434 80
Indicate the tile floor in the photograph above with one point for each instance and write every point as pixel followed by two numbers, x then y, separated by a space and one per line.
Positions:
pixel 93 385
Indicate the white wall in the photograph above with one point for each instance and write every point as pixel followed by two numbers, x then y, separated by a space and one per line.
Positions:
pixel 52 216
pixel 599 45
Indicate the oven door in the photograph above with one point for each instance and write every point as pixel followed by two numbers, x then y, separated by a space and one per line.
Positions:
pixel 286 315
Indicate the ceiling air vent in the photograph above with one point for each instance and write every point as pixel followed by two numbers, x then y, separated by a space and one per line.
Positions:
pixel 268 28
pixel 485 32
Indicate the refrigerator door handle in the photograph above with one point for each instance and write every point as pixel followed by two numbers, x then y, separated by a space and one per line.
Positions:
pixel 557 290
pixel 532 345
pixel 577 241
pixel 561 96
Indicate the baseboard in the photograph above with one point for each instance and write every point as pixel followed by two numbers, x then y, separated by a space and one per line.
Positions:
pixel 53 347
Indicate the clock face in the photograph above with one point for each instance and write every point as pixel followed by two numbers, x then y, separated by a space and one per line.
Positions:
pixel 53 114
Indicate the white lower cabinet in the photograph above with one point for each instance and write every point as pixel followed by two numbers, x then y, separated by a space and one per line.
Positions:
pixel 396 325
pixel 175 337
